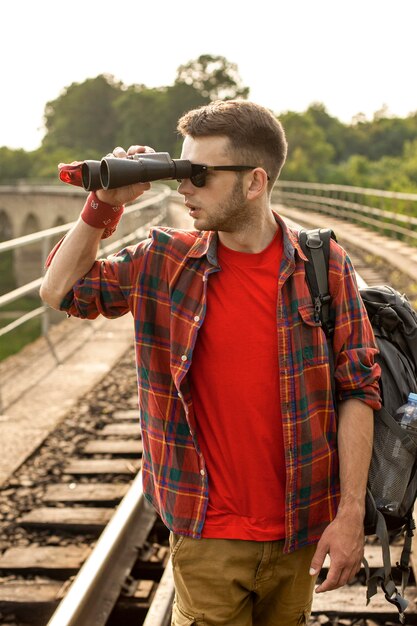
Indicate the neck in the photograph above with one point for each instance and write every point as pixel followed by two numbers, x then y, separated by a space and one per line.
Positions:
pixel 253 237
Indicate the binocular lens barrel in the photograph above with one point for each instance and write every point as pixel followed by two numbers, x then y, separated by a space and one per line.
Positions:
pixel 112 172
pixel 90 173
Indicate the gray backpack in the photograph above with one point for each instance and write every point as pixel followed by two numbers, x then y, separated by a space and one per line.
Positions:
pixel 394 323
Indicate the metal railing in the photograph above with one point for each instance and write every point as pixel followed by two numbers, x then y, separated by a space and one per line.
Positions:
pixel 154 207
pixel 159 199
pixel 392 213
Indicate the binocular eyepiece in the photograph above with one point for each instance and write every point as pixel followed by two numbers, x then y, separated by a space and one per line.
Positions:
pixel 112 172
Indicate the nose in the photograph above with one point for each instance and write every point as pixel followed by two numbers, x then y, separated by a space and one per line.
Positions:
pixel 185 187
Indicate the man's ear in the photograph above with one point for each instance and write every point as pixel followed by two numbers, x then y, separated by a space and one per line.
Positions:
pixel 257 184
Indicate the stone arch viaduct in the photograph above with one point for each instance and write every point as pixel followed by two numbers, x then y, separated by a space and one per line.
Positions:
pixel 28 209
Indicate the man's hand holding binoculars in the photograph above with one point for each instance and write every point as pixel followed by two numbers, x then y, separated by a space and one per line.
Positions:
pixel 128 193
pixel 104 206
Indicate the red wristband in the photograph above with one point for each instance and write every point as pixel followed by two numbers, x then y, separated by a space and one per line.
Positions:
pixel 101 215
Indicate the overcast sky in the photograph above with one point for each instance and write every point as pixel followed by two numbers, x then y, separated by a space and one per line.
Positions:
pixel 353 56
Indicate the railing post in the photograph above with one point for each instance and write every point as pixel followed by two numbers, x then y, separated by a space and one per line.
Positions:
pixel 46 246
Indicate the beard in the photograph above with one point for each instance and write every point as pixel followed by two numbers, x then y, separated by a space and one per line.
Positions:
pixel 231 215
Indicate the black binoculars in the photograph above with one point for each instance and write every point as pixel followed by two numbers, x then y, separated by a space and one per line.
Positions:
pixel 112 172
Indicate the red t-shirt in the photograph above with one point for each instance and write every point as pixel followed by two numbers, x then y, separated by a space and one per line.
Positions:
pixel 235 389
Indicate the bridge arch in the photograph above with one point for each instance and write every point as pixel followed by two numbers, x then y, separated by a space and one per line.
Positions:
pixel 28 209
pixel 7 273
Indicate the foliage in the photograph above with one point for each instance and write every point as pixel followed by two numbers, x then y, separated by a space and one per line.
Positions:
pixel 213 77
pixel 83 117
pixel 308 150
pixel 14 341
pixel 149 116
pixel 14 165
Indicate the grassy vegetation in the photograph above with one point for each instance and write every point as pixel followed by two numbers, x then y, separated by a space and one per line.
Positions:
pixel 21 336
pixel 7 279
pixel 18 338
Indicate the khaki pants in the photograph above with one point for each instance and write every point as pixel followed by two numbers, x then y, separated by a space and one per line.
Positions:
pixel 240 583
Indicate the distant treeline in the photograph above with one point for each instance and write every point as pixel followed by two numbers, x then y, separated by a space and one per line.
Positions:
pixel 92 117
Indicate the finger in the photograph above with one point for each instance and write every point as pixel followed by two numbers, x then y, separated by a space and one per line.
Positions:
pixel 318 560
pixel 332 581
pixel 135 149
pixel 139 149
pixel 119 153
pixel 338 577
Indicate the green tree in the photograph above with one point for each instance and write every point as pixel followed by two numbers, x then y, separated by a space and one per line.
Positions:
pixel 149 116
pixel 14 165
pixel 308 151
pixel 335 132
pixel 410 162
pixel 82 118
pixel 214 77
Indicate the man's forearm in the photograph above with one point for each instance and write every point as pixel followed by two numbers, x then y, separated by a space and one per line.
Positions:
pixel 355 437
pixel 343 539
pixel 72 260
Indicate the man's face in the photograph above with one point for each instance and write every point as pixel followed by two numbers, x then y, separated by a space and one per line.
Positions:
pixel 221 204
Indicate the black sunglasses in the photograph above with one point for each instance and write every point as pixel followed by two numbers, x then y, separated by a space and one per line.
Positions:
pixel 199 172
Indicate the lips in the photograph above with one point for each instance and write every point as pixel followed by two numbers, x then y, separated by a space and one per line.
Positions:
pixel 193 210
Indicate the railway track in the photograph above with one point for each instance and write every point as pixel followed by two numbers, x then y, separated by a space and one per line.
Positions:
pixel 61 503
pixel 56 507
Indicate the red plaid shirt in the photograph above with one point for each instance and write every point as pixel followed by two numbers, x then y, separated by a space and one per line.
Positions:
pixel 162 282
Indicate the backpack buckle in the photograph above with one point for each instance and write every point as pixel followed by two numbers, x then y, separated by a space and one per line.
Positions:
pixel 393 596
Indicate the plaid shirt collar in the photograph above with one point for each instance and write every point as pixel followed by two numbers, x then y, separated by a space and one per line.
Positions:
pixel 206 243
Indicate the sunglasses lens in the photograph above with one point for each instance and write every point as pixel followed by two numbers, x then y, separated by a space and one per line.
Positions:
pixel 199 180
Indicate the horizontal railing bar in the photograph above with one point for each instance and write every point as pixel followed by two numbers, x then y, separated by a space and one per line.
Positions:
pixel 395 195
pixel 20 292
pixel 27 240
pixel 343 213
pixel 22 320
pixel 382 221
pixel 138 234
pixel 338 210
pixel 355 206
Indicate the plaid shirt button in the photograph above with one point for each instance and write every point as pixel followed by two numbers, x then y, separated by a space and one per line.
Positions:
pixel 184 357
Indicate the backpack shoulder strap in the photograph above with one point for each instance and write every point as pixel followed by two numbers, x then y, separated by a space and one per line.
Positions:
pixel 315 244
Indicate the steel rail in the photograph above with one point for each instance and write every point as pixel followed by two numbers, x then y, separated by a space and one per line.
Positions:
pixel 159 613
pixel 94 591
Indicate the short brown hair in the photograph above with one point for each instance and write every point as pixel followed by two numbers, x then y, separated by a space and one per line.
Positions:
pixel 254 133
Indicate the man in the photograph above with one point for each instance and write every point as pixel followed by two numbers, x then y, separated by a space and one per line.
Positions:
pixel 243 455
